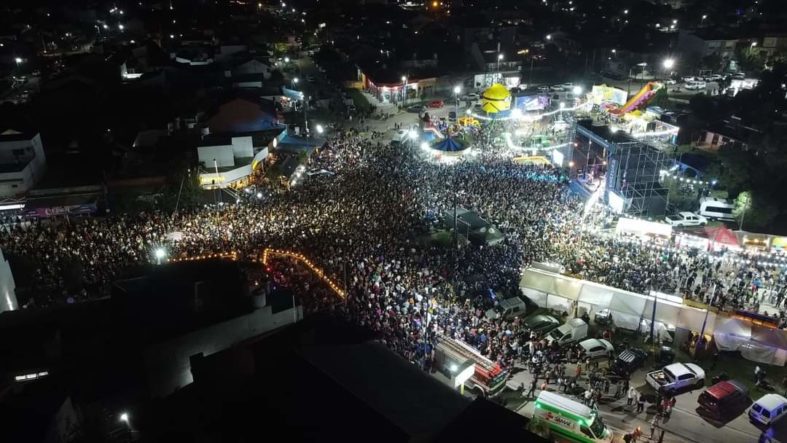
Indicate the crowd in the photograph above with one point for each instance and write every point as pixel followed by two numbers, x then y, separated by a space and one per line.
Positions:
pixel 367 225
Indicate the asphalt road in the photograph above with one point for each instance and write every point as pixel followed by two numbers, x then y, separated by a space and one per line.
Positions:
pixel 684 425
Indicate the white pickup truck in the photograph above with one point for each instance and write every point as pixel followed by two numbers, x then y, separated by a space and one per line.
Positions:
pixel 677 377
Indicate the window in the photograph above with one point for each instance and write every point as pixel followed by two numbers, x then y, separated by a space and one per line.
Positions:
pixel 719 209
pixel 585 430
pixel 685 377
pixel 766 413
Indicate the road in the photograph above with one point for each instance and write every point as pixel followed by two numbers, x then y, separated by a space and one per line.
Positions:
pixel 684 425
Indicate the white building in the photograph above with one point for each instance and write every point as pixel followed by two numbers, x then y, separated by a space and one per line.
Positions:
pixel 227 161
pixel 7 287
pixel 22 162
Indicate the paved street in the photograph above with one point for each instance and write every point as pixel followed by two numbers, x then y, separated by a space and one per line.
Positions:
pixel 684 425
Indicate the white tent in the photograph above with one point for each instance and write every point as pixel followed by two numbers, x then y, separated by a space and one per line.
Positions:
pixel 731 333
pixel 556 291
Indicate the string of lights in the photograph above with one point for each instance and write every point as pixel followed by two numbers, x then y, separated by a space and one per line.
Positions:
pixel 268 252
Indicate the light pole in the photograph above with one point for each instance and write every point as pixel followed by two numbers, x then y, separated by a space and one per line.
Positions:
pixel 457 90
pixel 294 82
pixel 668 64
pixel 641 65
pixel 160 253
pixel 305 115
pixel 404 89
pixel 499 59
pixel 702 22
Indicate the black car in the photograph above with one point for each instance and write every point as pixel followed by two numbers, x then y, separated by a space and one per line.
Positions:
pixel 541 324
pixel 629 361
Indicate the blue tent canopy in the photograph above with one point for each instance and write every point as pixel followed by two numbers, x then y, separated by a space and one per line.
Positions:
pixel 449 145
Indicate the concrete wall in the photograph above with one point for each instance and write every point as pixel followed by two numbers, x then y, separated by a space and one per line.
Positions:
pixel 7 286
pixel 167 365
pixel 242 147
pixel 16 183
pixel 223 154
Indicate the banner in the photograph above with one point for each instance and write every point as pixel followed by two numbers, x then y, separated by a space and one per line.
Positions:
pixel 88 208
pixel 605 94
pixel 531 102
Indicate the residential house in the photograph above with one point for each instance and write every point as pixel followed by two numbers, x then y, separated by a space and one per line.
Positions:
pixel 730 133
pixel 707 42
pixel 22 162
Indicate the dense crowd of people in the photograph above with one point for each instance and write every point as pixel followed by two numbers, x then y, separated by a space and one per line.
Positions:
pixel 368 223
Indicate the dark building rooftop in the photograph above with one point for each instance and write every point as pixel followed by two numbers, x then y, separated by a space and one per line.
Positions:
pixel 321 380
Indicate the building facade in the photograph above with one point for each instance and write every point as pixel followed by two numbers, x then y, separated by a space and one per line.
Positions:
pixel 22 162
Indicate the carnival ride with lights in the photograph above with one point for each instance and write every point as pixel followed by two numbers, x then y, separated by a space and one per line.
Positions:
pixel 639 99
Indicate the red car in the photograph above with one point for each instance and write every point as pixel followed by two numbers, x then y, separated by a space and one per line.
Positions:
pixel 435 104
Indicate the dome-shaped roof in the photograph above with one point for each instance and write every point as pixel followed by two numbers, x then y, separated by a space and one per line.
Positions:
pixel 496 92
pixel 496 99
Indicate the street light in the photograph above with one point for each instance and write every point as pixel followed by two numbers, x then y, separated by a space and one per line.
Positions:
pixel 124 417
pixel 753 44
pixel 320 129
pixel 457 90
pixel 577 90
pixel 404 89
pixel 160 253
pixel 704 16
pixel 668 64
pixel 499 58
pixel 121 27
pixel 18 60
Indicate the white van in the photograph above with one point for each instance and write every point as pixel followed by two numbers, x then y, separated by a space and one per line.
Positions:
pixel 768 409
pixel 570 419
pixel 695 85
pixel 716 209
pixel 573 331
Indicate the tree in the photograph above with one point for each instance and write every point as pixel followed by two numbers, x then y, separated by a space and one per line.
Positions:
pixel 712 61
pixel 743 205
pixel 754 210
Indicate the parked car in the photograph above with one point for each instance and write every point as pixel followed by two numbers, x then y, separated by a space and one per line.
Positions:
pixel 724 399
pixel 768 409
pixel 541 324
pixel 416 109
pixel 676 377
pixel 436 104
pixel 470 97
pixel 571 332
pixel 714 78
pixel 400 136
pixel 629 361
pixel 597 348
pixel 508 308
pixel 683 219
pixel 695 85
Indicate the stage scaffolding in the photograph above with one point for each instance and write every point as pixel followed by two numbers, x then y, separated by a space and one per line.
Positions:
pixel 633 166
